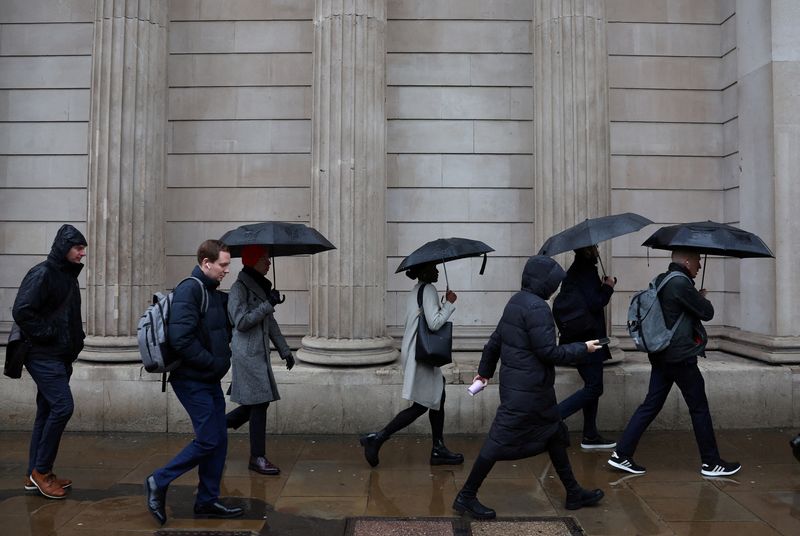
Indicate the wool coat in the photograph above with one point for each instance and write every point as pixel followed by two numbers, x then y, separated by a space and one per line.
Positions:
pixel 423 383
pixel 254 326
pixel 524 343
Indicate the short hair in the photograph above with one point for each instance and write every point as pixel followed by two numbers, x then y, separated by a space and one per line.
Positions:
pixel 210 250
pixel 683 254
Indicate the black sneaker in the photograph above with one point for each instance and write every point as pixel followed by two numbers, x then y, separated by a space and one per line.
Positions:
pixel 598 442
pixel 721 468
pixel 625 463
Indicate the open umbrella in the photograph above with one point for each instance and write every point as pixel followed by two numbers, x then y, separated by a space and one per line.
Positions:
pixel 592 231
pixel 443 250
pixel 709 237
pixel 283 239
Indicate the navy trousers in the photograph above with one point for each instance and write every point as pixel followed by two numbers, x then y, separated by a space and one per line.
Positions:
pixel 586 398
pixel 205 404
pixel 690 381
pixel 54 407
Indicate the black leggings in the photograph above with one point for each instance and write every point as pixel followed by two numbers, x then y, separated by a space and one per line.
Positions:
pixel 257 415
pixel 411 414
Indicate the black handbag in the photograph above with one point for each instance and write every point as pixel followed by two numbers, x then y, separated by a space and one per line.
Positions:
pixel 433 348
pixel 16 352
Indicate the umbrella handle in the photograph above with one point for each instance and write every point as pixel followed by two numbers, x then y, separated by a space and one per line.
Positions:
pixel 599 258
pixel 447 282
pixel 483 264
pixel 703 279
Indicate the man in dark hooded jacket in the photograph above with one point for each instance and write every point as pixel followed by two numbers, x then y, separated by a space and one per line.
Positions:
pixel 48 311
pixel 200 335
pixel 677 364
pixel 527 422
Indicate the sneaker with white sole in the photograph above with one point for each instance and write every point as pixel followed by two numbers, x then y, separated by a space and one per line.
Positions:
pixel 721 468
pixel 598 442
pixel 625 463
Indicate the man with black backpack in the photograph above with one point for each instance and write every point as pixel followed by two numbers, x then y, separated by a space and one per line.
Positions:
pixel 201 341
pixel 48 311
pixel 683 304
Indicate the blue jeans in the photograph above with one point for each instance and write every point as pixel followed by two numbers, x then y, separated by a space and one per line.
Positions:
pixel 586 398
pixel 205 404
pixel 690 381
pixel 54 407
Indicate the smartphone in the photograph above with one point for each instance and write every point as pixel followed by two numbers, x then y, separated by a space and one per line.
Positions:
pixel 604 341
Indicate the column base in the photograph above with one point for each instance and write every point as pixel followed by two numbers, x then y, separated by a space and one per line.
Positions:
pixel 110 350
pixel 347 352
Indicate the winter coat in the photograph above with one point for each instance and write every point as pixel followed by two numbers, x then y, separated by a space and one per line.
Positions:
pixel 53 325
pixel 200 340
pixel 423 383
pixel 678 296
pixel 525 344
pixel 254 326
pixel 583 298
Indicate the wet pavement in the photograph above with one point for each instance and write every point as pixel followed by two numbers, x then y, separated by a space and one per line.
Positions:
pixel 325 480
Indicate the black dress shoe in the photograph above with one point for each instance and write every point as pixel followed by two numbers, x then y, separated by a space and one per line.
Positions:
pixel 218 510
pixel 583 497
pixel 156 499
pixel 263 466
pixel 473 507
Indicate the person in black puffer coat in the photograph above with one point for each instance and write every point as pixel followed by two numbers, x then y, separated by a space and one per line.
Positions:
pixel 527 422
pixel 48 311
pixel 201 340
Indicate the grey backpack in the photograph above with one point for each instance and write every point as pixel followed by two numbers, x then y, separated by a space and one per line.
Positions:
pixel 646 324
pixel 154 349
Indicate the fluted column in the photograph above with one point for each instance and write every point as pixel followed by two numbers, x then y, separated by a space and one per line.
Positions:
pixel 347 320
pixel 126 176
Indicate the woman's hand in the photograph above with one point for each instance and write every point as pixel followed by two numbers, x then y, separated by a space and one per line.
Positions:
pixel 593 345
pixel 481 378
pixel 450 296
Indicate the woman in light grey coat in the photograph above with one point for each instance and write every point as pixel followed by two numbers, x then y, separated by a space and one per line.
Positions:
pixel 422 384
pixel 251 304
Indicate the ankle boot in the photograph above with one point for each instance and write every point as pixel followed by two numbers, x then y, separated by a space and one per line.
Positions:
pixel 372 444
pixel 579 497
pixel 441 455
pixel 469 503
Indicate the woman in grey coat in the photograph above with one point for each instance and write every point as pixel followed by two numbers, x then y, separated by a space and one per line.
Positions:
pixel 251 304
pixel 422 384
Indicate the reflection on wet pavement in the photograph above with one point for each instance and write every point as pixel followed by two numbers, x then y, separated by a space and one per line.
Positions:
pixel 325 480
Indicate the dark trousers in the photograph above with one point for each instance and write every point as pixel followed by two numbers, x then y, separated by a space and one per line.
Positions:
pixel 687 377
pixel 411 414
pixel 556 449
pixel 586 398
pixel 256 414
pixel 205 404
pixel 54 407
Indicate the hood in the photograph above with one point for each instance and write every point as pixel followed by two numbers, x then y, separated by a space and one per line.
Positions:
pixel 66 237
pixel 542 275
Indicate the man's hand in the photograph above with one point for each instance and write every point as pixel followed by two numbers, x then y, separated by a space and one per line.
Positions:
pixel 450 296
pixel 593 346
pixel 289 361
pixel 703 292
pixel 610 281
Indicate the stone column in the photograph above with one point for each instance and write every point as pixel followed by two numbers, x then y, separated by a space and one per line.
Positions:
pixel 125 264
pixel 348 285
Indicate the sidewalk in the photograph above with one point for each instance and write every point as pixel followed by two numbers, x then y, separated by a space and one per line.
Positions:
pixel 325 480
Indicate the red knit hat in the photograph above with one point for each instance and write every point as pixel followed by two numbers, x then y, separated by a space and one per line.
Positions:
pixel 251 254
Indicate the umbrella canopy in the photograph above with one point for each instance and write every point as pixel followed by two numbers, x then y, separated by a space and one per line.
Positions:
pixel 710 238
pixel 592 231
pixel 284 239
pixel 443 250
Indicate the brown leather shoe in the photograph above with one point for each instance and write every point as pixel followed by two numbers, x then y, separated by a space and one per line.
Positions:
pixel 263 466
pixel 47 485
pixel 63 482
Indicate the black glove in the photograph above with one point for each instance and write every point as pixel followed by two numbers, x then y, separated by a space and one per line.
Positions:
pixel 289 361
pixel 274 297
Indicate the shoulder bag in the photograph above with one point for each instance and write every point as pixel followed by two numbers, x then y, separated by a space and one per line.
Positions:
pixel 434 348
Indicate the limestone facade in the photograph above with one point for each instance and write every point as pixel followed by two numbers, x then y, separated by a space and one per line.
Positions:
pixel 701 122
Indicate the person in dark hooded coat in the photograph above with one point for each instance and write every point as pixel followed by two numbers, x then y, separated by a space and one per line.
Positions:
pixel 527 422
pixel 48 311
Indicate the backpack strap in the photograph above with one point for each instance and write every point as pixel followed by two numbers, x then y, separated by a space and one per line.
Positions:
pixel 204 292
pixel 667 278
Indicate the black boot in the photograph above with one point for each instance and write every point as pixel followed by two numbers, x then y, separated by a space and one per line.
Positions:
pixel 579 497
pixel 795 443
pixel 372 444
pixel 441 455
pixel 466 502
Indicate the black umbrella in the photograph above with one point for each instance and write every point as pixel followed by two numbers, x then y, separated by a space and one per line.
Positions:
pixel 592 231
pixel 283 239
pixel 442 250
pixel 709 237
